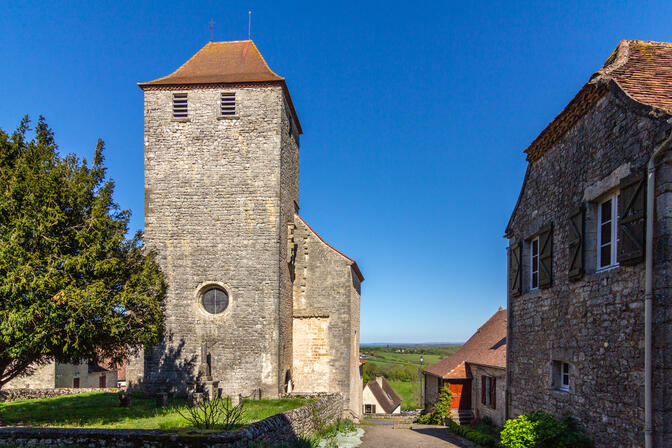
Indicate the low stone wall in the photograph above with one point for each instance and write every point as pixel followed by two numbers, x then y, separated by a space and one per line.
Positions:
pixel 285 427
pixel 30 394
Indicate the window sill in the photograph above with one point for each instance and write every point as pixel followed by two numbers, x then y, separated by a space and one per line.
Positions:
pixel 181 120
pixel 228 117
pixel 607 268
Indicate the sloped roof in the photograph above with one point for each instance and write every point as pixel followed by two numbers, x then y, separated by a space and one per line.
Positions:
pixel 235 62
pixel 641 69
pixel 353 263
pixel 486 347
pixel 385 395
pixel 222 62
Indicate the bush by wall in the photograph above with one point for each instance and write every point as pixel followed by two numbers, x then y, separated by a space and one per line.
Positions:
pixel 440 410
pixel 472 434
pixel 542 430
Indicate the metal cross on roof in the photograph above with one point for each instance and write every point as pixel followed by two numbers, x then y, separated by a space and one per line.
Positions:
pixel 211 24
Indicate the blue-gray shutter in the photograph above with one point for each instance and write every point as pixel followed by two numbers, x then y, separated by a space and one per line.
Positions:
pixel 632 219
pixel 516 269
pixel 546 256
pixel 576 245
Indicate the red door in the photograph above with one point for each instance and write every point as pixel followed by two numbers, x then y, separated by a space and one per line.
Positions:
pixel 461 391
pixel 102 382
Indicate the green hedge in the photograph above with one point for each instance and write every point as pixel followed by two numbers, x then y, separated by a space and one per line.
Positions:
pixel 475 436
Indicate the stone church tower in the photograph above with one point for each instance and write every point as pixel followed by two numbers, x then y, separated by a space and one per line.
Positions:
pixel 256 299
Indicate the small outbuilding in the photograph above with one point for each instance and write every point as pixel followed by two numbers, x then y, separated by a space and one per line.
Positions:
pixel 379 398
pixel 475 374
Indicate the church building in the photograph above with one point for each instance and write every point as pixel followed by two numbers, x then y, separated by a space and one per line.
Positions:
pixel 256 300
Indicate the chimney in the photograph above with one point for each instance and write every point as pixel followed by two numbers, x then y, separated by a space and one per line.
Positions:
pixel 379 380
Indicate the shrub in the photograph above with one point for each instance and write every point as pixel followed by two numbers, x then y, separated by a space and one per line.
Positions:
pixel 472 434
pixel 210 414
pixel 441 409
pixel 543 430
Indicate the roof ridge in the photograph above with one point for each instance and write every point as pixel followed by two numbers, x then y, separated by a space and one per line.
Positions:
pixel 354 263
pixel 262 58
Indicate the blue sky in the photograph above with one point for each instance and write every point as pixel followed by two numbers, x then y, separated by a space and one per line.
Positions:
pixel 415 118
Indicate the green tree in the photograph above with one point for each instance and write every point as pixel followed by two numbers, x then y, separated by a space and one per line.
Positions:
pixel 72 286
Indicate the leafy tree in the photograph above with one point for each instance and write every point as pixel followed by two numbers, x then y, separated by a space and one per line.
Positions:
pixel 72 286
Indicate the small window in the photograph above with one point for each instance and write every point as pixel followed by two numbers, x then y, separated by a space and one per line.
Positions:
pixel 534 264
pixel 215 300
pixel 369 408
pixel 488 391
pixel 607 233
pixel 561 375
pixel 180 105
pixel 228 104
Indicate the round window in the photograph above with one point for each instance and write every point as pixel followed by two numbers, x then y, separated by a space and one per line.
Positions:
pixel 215 300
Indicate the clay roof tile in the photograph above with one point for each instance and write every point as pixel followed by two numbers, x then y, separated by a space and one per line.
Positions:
pixel 486 347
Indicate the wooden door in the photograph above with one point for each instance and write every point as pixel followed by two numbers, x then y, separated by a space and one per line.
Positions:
pixel 461 391
pixel 102 382
pixel 75 383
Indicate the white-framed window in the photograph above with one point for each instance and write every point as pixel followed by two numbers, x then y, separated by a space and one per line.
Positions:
pixel 607 233
pixel 564 376
pixel 561 375
pixel 180 105
pixel 534 264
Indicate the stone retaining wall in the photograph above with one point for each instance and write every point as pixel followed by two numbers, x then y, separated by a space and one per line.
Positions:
pixel 30 394
pixel 285 427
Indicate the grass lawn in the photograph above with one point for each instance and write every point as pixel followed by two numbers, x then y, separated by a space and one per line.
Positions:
pixel 101 410
pixel 409 393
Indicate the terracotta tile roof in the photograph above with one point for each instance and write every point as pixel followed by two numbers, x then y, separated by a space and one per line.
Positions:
pixel 486 347
pixel 236 62
pixel 641 69
pixel 221 62
pixel 385 395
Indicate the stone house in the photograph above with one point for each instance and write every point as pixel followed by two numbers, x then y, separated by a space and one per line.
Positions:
pixel 581 334
pixel 257 302
pixel 378 397
pixel 56 375
pixel 475 374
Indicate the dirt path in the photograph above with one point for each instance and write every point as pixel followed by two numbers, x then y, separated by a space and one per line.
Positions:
pixel 419 436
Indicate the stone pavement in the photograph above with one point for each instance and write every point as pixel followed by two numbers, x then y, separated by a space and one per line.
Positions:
pixel 419 436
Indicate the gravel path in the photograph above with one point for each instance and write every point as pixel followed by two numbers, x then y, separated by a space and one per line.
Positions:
pixel 419 436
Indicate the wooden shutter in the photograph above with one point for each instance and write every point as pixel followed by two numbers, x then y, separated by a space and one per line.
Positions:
pixel 515 269
pixel 632 219
pixel 575 241
pixel 546 256
pixel 493 393
pixel 483 389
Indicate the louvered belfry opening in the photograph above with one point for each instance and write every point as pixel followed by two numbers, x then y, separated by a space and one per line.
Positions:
pixel 180 106
pixel 228 104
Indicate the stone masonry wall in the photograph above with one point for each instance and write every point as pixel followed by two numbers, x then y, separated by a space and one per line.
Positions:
pixel 324 289
pixel 31 394
pixel 42 377
pixel 289 202
pixel 480 410
pixel 281 428
pixel 213 214
pixel 596 324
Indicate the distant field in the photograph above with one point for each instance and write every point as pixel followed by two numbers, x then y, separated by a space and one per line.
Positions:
pixel 409 393
pixel 388 356
pixel 400 365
